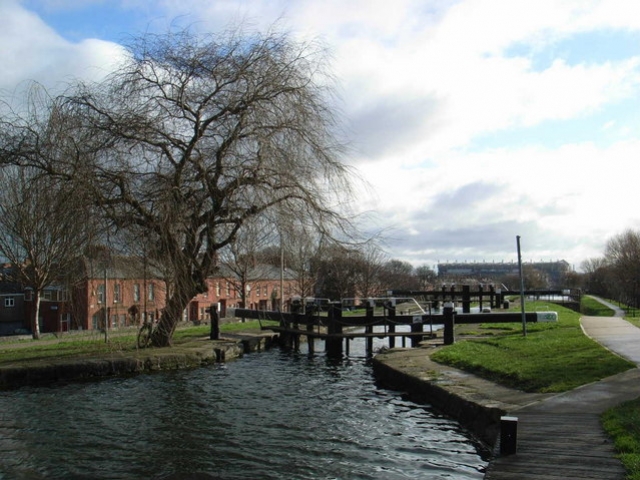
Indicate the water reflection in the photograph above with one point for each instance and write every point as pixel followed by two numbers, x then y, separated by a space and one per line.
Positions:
pixel 267 416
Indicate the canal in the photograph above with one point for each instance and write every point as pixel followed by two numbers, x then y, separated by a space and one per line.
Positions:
pixel 270 415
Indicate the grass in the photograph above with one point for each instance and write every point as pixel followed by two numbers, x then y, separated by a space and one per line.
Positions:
pixel 93 344
pixel 622 423
pixel 552 357
pixel 593 308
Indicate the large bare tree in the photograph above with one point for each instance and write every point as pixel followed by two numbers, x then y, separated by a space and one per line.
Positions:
pixel 44 226
pixel 193 136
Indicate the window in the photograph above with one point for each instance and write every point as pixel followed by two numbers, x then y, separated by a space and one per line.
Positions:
pixel 258 291
pixel 228 290
pixel 116 293
pixel 217 289
pixel 136 292
pixel 152 292
pixel 266 290
pixel 9 302
pixel 101 293
pixel 47 295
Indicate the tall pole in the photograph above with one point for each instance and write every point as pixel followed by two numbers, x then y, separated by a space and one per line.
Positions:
pixel 524 316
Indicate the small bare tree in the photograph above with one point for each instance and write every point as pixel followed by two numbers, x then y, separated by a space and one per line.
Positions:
pixel 239 259
pixel 43 228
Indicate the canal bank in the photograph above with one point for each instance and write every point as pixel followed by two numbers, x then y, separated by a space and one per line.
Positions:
pixel 192 354
pixel 563 429
pixel 477 404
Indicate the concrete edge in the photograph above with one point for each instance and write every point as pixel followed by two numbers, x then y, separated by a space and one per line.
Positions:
pixel 481 421
pixel 48 372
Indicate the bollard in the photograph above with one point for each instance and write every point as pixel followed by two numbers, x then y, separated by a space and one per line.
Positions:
pixel 220 354
pixel 508 435
pixel 449 323
pixel 214 332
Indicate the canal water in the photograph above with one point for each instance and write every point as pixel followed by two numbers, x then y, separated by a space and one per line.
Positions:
pixel 270 415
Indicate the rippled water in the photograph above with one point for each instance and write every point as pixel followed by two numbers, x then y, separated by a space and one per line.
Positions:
pixel 270 415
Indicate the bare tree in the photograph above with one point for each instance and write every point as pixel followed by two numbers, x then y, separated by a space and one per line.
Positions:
pixel 240 258
pixel 426 275
pixel 193 136
pixel 43 227
pixel 622 254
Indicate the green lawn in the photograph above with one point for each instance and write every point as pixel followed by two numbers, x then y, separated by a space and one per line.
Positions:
pixel 552 357
pixel 91 344
pixel 623 424
pixel 593 308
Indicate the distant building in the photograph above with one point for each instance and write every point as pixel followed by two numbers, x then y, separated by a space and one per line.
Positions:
pixel 482 271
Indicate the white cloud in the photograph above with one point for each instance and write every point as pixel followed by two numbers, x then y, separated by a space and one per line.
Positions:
pixel 421 81
pixel 32 51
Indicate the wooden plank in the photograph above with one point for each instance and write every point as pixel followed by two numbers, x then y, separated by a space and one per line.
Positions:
pixel 349 335
pixel 555 446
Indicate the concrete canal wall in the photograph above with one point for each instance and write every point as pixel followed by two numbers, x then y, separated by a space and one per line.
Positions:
pixel 194 354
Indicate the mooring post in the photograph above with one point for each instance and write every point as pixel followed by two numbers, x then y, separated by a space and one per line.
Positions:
pixel 333 343
pixel 449 323
pixel 416 327
pixel 508 435
pixel 214 333
pixel 391 315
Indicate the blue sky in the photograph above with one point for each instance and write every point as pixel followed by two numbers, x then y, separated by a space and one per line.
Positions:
pixel 470 121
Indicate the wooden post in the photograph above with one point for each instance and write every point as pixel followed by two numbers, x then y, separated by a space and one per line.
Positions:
pixel 214 333
pixel 508 435
pixel 369 328
pixel 416 328
pixel 334 327
pixel 480 291
pixel 449 323
pixel 391 315
pixel 466 299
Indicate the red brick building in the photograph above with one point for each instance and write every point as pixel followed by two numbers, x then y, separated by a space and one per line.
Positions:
pixel 263 285
pixel 120 290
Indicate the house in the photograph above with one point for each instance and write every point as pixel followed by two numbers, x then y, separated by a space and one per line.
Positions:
pixel 121 290
pixel 266 287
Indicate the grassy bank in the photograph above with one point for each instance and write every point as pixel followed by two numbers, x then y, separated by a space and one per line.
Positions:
pixel 623 424
pixel 93 344
pixel 552 357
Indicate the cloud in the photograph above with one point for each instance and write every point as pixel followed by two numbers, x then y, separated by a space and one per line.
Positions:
pixel 32 51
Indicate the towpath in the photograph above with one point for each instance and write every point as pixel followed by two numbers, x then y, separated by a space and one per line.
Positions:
pixel 561 436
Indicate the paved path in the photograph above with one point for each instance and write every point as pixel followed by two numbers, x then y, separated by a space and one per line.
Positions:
pixel 560 437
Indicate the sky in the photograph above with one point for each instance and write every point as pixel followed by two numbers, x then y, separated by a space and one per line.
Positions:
pixel 470 122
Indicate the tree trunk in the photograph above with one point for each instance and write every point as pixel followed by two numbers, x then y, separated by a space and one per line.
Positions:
pixel 169 319
pixel 35 326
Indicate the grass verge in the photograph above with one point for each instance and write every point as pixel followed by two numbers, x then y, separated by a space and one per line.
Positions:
pixel 552 357
pixel 75 346
pixel 622 423
pixel 593 308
